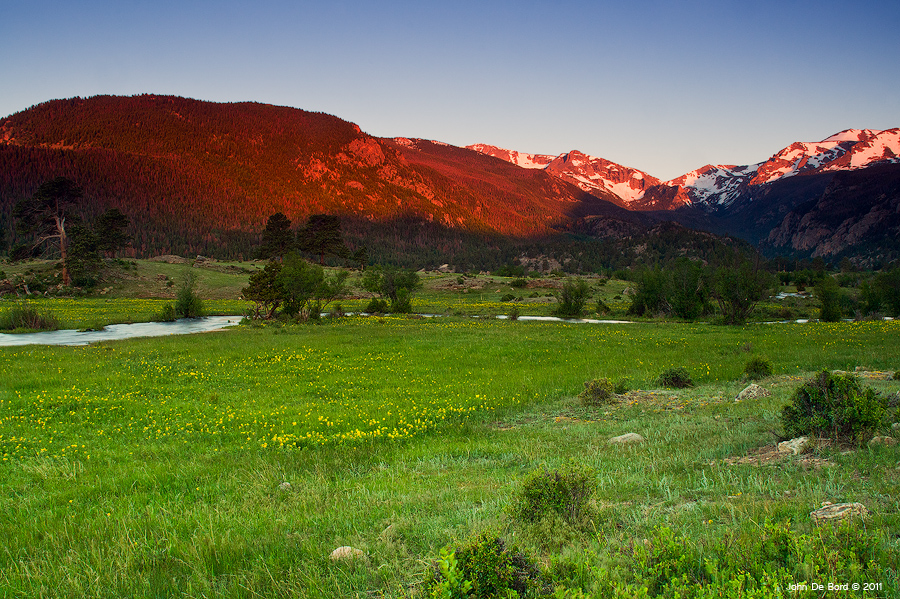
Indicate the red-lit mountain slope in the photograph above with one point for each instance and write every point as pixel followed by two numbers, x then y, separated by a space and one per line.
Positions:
pixel 200 169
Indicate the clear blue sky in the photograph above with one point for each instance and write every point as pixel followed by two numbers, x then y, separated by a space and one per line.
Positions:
pixel 663 86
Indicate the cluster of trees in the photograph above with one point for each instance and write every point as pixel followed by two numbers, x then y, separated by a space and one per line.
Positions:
pixel 686 288
pixel 291 286
pixel 320 236
pixel 296 287
pixel 49 222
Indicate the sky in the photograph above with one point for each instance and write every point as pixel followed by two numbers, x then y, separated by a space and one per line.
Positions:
pixel 662 86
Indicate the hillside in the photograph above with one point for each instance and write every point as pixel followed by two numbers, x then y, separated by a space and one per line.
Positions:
pixel 196 176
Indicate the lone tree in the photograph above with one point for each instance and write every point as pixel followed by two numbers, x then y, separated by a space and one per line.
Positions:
pixel 277 238
pixel 44 215
pixel 322 236
pixel 738 286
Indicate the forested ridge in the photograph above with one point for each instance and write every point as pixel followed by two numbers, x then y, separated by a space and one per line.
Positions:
pixel 201 178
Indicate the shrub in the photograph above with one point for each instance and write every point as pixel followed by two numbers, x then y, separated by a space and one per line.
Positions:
pixel 23 316
pixel 377 306
pixel 514 313
pixel 829 296
pixel 167 314
pixel 187 303
pixel 509 297
pixel 564 492
pixel 622 386
pixel 832 405
pixel 758 367
pixel 486 567
pixel 518 283
pixel 597 392
pixel 675 378
pixel 602 308
pixel 574 296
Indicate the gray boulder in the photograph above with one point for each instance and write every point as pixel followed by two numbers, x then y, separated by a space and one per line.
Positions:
pixel 626 439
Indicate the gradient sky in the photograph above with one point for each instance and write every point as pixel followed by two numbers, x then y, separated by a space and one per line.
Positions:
pixel 663 86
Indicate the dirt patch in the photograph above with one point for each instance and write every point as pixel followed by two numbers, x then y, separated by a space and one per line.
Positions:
pixel 769 454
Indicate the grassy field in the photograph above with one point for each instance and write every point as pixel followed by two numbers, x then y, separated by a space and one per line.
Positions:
pixel 155 467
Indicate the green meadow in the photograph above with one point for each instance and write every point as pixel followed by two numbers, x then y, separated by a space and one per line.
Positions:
pixel 155 467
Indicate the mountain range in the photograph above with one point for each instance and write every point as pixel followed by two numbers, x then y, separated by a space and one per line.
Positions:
pixel 196 176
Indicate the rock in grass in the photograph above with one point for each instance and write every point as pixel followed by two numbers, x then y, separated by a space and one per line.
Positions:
pixel 885 441
pixel 796 445
pixel 834 512
pixel 752 391
pixel 285 486
pixel 627 438
pixel 346 552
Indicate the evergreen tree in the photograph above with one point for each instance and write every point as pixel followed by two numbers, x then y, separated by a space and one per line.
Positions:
pixel 322 235
pixel 277 238
pixel 829 295
pixel 110 228
pixel 83 260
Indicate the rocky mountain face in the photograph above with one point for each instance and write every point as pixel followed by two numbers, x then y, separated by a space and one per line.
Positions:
pixel 593 175
pixel 711 186
pixel 770 202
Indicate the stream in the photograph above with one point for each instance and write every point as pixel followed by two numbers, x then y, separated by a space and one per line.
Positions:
pixel 182 326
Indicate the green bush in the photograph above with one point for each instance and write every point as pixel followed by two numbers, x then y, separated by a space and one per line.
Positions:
pixel 758 367
pixel 187 303
pixel 24 316
pixel 514 313
pixel 602 308
pixel 518 283
pixel 675 378
pixel 167 314
pixel 833 405
pixel 565 492
pixel 829 295
pixel 597 392
pixel 575 294
pixel 486 567
pixel 622 386
pixel 377 306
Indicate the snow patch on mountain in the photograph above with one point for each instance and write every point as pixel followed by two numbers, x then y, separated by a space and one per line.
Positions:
pixel 712 186
pixel 589 173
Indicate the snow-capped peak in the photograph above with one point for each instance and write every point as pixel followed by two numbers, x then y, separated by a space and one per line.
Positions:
pixel 587 172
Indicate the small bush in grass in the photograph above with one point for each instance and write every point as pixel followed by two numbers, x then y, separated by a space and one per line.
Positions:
pixel 597 392
pixel 514 313
pixel 835 406
pixel 377 306
pixel 518 283
pixel 623 386
pixel 24 316
pixel 565 492
pixel 675 378
pixel 897 376
pixel 187 303
pixel 167 314
pixel 486 567
pixel 758 367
